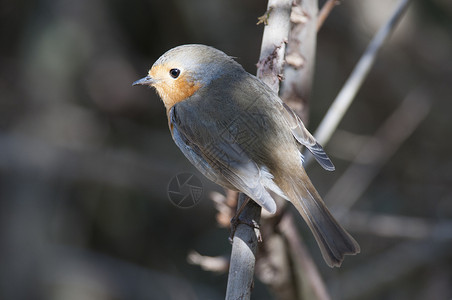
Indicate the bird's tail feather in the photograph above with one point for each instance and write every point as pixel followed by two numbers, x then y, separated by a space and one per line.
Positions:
pixel 333 240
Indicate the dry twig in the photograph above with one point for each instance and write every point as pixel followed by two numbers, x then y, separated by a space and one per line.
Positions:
pixel 347 94
pixel 389 267
pixel 325 12
pixel 394 226
pixel 388 138
pixel 311 283
pixel 218 264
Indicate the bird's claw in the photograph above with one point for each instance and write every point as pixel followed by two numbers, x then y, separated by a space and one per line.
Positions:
pixel 235 222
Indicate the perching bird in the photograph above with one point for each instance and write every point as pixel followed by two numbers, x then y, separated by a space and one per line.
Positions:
pixel 238 133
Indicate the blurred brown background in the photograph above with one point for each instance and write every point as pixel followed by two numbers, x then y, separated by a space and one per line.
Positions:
pixel 85 159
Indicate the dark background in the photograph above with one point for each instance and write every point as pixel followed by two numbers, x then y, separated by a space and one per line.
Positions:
pixel 85 159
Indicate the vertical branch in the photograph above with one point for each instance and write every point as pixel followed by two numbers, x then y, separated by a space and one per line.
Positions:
pixel 270 66
pixel 276 34
pixel 299 277
pixel 299 71
pixel 241 269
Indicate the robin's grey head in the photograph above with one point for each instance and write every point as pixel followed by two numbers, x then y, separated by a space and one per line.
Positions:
pixel 181 71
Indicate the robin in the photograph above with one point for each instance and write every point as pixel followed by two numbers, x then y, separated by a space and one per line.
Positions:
pixel 236 131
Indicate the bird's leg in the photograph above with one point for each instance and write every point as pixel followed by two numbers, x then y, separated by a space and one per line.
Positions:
pixel 236 221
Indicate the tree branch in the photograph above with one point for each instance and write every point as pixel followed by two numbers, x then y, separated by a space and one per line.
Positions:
pixel 325 12
pixel 348 92
pixel 299 71
pixel 388 138
pixel 276 34
pixel 397 226
pixel 241 270
pixel 284 264
pixel 390 266
pixel 311 285
pixel 270 66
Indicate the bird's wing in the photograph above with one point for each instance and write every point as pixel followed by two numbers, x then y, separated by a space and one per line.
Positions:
pixel 222 161
pixel 304 137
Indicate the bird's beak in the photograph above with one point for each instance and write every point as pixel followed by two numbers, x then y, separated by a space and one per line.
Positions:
pixel 148 80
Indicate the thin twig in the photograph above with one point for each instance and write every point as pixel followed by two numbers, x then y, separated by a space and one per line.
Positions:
pixel 225 206
pixel 217 264
pixel 325 12
pixel 389 267
pixel 396 226
pixel 354 82
pixel 313 286
pixel 28 154
pixel 388 138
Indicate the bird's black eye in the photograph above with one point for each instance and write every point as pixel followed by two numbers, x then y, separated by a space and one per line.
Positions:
pixel 174 73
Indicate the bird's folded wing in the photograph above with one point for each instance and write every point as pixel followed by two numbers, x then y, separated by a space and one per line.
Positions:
pixel 224 162
pixel 304 137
